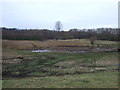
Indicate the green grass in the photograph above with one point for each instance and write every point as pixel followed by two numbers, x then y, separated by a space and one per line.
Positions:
pixel 92 80
pixel 57 70
pixel 40 62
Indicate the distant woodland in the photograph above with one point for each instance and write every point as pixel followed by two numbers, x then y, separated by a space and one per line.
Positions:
pixel 111 34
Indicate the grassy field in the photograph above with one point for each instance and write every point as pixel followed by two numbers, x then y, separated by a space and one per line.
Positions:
pixel 96 80
pixel 14 44
pixel 26 69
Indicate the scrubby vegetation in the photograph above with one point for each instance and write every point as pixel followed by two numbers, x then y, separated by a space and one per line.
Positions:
pixel 21 66
pixel 78 58
pixel 57 44
pixel 60 68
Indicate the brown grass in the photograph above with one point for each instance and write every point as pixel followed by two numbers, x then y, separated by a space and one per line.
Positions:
pixel 28 45
pixel 14 44
pixel 108 61
pixel 11 61
pixel 10 54
pixel 65 63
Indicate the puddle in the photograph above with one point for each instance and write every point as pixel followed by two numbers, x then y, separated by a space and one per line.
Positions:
pixel 41 50
pixel 72 51
pixel 58 51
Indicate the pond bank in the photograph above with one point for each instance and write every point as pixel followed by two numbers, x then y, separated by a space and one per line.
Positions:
pixel 76 50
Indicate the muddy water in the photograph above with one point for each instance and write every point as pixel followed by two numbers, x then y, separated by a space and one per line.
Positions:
pixel 76 50
pixel 41 50
pixel 59 51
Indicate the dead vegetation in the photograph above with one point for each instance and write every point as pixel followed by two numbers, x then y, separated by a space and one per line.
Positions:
pixel 30 45
pixel 12 44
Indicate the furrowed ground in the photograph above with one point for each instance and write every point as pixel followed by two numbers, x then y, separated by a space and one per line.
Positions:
pixel 23 68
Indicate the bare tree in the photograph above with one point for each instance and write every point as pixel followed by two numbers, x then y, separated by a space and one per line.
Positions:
pixel 58 26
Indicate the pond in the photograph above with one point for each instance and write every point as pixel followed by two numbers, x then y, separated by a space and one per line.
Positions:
pixel 41 50
pixel 74 50
pixel 58 51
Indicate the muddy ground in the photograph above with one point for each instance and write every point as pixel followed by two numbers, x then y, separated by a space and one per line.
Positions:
pixel 79 49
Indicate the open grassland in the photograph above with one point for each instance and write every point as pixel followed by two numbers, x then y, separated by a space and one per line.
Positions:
pixel 28 45
pixel 25 69
pixel 90 80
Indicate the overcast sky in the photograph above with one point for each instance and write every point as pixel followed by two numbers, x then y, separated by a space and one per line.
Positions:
pixel 43 14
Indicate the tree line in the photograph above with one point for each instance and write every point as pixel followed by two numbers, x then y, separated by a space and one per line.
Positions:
pixel 111 34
